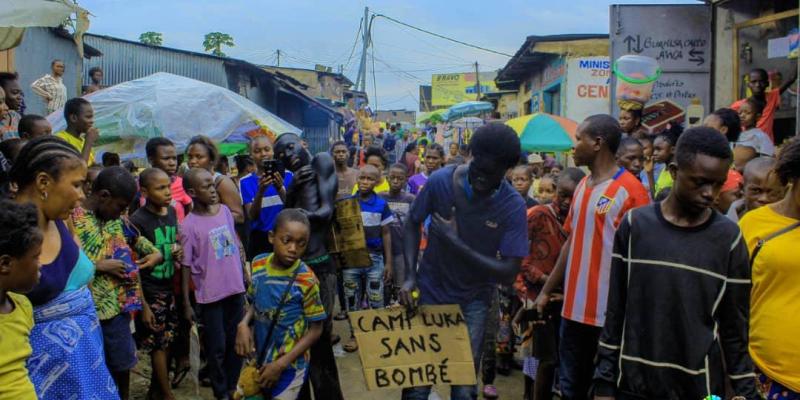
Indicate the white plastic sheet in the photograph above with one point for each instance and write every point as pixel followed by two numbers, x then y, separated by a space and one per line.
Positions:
pixel 176 107
pixel 27 13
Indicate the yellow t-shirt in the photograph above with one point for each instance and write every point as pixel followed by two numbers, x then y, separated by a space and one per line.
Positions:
pixel 77 143
pixel 663 181
pixel 15 348
pixel 774 305
pixel 379 188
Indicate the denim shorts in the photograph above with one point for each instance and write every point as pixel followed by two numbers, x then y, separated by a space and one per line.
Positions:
pixel 118 343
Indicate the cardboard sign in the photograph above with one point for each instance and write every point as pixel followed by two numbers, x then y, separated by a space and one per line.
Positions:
pixel 347 241
pixel 430 348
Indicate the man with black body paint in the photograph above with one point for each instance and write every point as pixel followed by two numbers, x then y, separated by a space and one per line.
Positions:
pixel 313 191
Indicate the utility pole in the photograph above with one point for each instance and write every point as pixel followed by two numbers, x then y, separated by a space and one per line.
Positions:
pixel 361 80
pixel 477 82
pixel 278 62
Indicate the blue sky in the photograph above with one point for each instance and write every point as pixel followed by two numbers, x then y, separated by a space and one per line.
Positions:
pixel 309 32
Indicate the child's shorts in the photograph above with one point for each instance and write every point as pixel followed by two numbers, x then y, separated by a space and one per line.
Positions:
pixel 289 384
pixel 118 343
pixel 162 304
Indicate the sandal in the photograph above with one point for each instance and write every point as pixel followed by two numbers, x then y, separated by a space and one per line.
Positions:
pixel 351 346
pixel 340 316
pixel 489 392
pixel 180 374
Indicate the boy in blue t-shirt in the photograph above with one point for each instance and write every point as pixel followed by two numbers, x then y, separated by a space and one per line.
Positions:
pixel 377 219
pixel 263 196
pixel 284 366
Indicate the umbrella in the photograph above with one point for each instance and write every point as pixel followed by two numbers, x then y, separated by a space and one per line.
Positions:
pixel 467 108
pixel 175 107
pixel 467 122
pixel 544 132
pixel 432 117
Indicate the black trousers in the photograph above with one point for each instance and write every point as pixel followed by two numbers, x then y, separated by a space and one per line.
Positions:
pixel 220 320
pixel 322 371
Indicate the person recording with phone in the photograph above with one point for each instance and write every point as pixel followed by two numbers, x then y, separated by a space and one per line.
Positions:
pixel 263 194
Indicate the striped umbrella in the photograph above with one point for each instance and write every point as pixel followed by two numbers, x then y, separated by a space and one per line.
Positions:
pixel 467 108
pixel 544 132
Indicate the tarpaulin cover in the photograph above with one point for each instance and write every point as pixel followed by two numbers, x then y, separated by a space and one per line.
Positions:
pixel 176 107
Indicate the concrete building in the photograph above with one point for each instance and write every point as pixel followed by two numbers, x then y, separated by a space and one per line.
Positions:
pixel 319 83
pixel 395 116
pixel 565 75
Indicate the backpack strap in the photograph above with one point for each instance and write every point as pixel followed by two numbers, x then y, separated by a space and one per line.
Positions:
pixel 769 237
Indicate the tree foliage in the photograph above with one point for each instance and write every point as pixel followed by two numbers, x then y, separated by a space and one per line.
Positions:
pixel 152 38
pixel 214 41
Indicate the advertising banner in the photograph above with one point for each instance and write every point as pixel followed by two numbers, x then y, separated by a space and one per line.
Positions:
pixel 451 89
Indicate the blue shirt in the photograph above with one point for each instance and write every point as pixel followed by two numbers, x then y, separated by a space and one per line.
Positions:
pixel 496 226
pixel 271 203
pixel 375 214
pixel 657 169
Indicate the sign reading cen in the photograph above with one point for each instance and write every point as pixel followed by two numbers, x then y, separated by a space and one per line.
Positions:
pixel 587 87
pixel 399 351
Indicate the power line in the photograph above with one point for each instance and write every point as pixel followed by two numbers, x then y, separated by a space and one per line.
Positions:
pixel 398 72
pixel 442 54
pixel 442 36
pixel 355 42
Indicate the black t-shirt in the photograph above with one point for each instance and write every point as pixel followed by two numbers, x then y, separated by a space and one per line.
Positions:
pixel 162 231
pixel 400 206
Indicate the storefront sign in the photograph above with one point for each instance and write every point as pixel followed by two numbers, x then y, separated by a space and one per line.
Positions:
pixel 678 37
pixel 451 89
pixel 587 87
pixel 431 347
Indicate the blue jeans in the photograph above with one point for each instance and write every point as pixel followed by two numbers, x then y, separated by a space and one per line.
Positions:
pixel 353 280
pixel 475 314
pixel 577 350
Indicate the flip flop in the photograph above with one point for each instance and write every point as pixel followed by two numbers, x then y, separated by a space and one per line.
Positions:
pixel 489 392
pixel 351 346
pixel 179 376
pixel 340 316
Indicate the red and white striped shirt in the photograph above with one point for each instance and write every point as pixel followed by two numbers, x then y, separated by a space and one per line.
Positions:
pixel 593 218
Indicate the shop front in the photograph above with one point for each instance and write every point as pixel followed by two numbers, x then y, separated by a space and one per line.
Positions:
pixel 750 34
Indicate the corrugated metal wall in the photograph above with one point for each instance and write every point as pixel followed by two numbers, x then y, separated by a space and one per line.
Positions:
pixel 32 60
pixel 124 61
pixel 320 138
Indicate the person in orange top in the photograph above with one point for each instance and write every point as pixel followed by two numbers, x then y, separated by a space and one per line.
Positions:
pixel 758 82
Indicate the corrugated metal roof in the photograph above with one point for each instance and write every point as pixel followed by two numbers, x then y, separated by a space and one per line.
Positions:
pixel 508 76
pixel 124 60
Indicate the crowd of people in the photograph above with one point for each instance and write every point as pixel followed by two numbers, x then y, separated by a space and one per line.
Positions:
pixel 659 266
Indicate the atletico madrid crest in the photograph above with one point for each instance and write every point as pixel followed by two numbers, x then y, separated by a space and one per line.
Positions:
pixel 604 205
